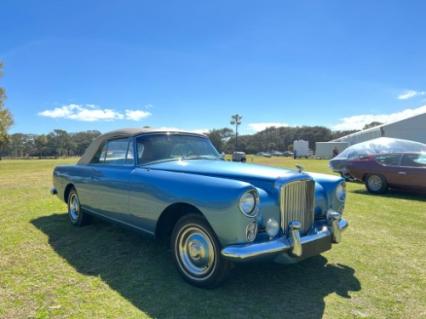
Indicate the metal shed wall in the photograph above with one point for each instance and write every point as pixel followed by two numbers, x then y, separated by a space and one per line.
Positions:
pixel 325 149
pixel 412 128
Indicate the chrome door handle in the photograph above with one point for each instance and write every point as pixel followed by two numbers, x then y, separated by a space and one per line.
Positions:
pixel 402 173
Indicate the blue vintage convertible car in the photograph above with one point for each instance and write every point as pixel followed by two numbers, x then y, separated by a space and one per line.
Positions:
pixel 175 185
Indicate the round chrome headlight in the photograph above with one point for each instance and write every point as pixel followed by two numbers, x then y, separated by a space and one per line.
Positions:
pixel 341 191
pixel 248 203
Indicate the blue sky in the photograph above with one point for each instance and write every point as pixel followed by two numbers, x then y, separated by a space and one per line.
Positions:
pixel 192 64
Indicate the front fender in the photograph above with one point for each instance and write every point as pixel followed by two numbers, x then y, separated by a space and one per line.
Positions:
pixel 152 191
pixel 327 187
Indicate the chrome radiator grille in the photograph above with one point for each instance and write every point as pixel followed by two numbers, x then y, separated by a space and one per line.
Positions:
pixel 297 203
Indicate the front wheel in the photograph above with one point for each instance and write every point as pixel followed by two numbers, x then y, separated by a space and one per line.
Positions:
pixel 196 252
pixel 376 184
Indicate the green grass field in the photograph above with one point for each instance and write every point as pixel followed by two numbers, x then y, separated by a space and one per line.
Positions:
pixel 50 269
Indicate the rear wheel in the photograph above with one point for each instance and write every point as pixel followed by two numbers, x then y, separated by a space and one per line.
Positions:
pixel 196 252
pixel 76 215
pixel 376 184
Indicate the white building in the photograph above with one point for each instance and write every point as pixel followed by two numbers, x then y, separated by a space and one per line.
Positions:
pixel 301 148
pixel 326 149
pixel 411 128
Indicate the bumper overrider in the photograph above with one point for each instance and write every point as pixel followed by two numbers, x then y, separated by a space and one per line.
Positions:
pixel 293 245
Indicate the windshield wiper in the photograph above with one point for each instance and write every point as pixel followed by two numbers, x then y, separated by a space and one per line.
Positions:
pixel 195 157
pixel 162 160
pixel 182 158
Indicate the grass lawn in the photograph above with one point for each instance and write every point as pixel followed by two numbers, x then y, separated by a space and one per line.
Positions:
pixel 49 268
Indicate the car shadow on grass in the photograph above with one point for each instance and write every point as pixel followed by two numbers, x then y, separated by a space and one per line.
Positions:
pixel 141 270
pixel 395 193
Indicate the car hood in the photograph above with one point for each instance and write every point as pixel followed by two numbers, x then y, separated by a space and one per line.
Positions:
pixel 257 175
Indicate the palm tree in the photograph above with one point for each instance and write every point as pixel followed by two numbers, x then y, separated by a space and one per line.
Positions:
pixel 236 120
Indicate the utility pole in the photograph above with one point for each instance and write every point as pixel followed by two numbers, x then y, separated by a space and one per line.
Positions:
pixel 236 120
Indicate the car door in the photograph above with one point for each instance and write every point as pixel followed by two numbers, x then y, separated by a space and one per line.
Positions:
pixel 145 197
pixel 412 171
pixel 389 165
pixel 110 179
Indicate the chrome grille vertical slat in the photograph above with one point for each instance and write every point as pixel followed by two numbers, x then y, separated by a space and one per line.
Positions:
pixel 297 203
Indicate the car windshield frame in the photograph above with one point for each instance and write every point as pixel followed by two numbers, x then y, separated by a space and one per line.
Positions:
pixel 215 155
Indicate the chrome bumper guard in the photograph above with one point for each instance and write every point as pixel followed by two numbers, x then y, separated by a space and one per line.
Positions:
pixel 53 191
pixel 292 244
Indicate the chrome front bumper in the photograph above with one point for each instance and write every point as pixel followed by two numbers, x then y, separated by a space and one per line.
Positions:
pixel 293 244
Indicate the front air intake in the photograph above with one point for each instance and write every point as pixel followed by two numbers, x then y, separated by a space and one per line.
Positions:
pixel 297 204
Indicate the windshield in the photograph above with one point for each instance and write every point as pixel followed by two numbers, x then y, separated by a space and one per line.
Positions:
pixel 381 145
pixel 167 147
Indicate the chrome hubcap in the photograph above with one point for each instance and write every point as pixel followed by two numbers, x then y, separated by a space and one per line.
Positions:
pixel 74 207
pixel 195 252
pixel 375 182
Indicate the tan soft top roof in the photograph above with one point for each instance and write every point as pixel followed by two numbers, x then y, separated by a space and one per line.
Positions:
pixel 122 133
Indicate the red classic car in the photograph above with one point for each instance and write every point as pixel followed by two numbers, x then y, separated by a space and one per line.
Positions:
pixel 395 170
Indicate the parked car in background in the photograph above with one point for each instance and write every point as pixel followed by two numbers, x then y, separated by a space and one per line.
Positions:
pixel 174 185
pixel 288 154
pixel 396 170
pixel 381 145
pixel 239 157
pixel 276 153
pixel 264 154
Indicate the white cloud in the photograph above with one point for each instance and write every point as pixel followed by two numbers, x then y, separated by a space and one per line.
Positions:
pixel 199 131
pixel 357 122
pixel 408 94
pixel 257 127
pixel 92 113
pixel 136 115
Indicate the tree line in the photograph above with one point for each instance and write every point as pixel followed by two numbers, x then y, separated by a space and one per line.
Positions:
pixel 272 139
pixel 55 144
pixel 60 143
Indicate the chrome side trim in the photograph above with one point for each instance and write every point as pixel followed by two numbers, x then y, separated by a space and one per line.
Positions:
pixel 117 221
pixel 245 252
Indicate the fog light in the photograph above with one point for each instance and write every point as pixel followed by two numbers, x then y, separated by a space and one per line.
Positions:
pixel 272 227
pixel 251 231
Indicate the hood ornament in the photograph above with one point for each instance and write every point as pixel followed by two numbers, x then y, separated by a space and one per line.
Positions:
pixel 299 168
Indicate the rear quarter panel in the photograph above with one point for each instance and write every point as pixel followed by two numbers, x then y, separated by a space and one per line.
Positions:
pixel 78 175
